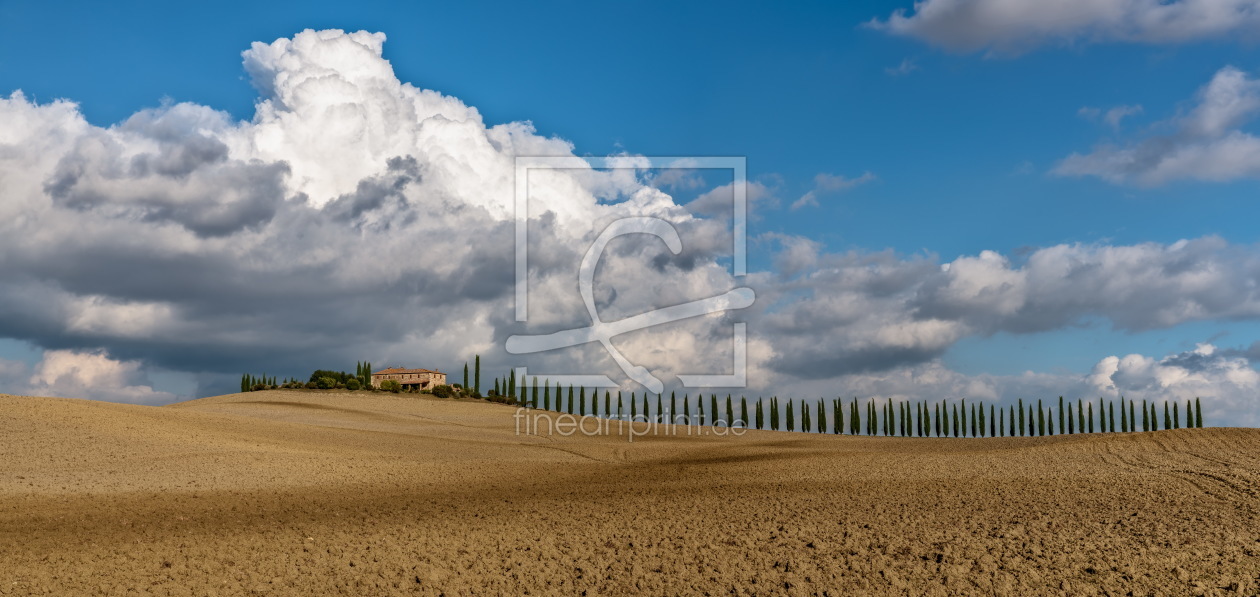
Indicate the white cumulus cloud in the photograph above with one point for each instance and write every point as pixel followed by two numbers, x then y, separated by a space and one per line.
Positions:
pixel 1207 143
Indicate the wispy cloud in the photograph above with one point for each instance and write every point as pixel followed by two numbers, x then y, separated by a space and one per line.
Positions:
pixel 830 184
pixel 906 67
pixel 1111 117
pixel 1014 26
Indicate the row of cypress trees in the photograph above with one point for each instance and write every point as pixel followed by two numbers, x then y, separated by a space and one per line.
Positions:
pixel 889 418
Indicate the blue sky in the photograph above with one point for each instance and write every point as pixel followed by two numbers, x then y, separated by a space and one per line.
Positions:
pixel 962 142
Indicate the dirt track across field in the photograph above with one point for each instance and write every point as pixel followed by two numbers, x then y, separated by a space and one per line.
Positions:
pixel 349 493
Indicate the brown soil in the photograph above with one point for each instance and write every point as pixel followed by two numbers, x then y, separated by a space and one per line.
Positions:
pixel 314 493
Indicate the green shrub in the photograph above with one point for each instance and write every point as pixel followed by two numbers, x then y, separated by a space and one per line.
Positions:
pixel 443 391
pixel 310 385
pixel 391 385
pixel 326 383
pixel 353 385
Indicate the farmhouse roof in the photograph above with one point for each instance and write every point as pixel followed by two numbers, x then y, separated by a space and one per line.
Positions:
pixel 394 370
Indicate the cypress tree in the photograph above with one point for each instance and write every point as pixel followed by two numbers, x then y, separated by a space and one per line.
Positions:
pixel 465 386
pixel 962 421
pixel 1167 419
pixel 570 410
pixel 1080 416
pixel 903 419
pixel 1146 419
pixel 660 411
pixel 838 415
pixel 713 410
pixel 687 409
pixel 1070 421
pixel 730 412
pixel 1176 418
pixel 1031 430
pixel 477 376
pixel 608 403
pixel 1002 423
pixel 582 401
pixel 743 412
pixel 1111 416
pixel 791 420
pixel 1090 417
pixel 620 406
pixel 1198 413
pixel 495 391
pixel 760 416
pixel 1124 417
pixel 700 413
pixel 1061 425
pixel 938 419
pixel 1132 421
pixel 1102 415
pixel 954 419
pixel 774 413
pixel 1021 416
pixel 822 416
pixel 805 422
pixel 546 395
pixel 634 409
pixel 1050 422
pixel 924 427
pixel 973 421
pixel 855 419
pixel 512 382
pixel 534 391
pixel 992 421
pixel 1189 416
pixel 874 418
pixel 673 408
pixel 647 413
pixel 1041 419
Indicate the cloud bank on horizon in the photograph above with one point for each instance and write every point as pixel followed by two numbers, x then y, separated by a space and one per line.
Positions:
pixel 357 216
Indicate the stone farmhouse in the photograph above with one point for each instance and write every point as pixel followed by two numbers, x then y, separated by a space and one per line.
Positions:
pixel 417 379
